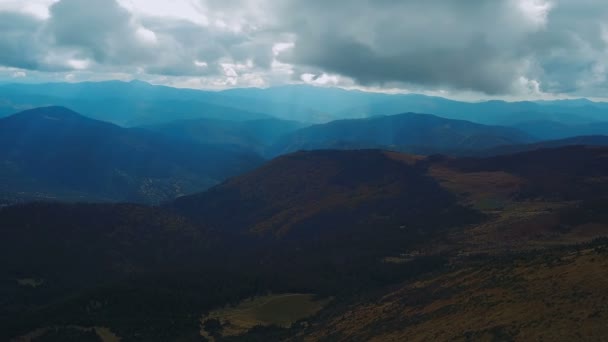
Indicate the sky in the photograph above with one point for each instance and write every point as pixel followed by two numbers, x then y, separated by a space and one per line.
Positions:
pixel 511 49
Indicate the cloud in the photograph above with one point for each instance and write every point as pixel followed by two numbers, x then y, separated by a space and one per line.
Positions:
pixel 100 31
pixel 571 54
pixel 20 45
pixel 487 46
pixel 496 47
pixel 37 8
pixel 18 74
pixel 473 45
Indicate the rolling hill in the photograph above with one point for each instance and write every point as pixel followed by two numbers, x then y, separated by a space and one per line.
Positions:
pixel 592 140
pixel 551 130
pixel 556 295
pixel 412 133
pixel 55 153
pixel 256 135
pixel 308 195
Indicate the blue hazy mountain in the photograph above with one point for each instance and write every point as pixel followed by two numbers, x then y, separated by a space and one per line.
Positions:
pixel 591 140
pixel 54 152
pixel 257 135
pixel 489 112
pixel 342 104
pixel 123 103
pixel 549 130
pixel 139 103
pixel 410 132
pixel 309 103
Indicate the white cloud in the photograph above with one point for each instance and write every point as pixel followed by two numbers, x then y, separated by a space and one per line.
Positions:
pixel 176 9
pixel 536 11
pixel 146 35
pixel 79 64
pixel 322 79
pixel 37 8
pixel 18 74
pixel 279 48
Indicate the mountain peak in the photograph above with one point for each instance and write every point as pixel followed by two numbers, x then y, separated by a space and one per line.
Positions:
pixel 52 116
pixel 49 113
pixel 137 82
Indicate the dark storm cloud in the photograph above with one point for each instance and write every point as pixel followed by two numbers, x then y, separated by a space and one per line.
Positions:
pixel 456 44
pixel 494 47
pixel 487 46
pixel 19 45
pixel 97 29
pixel 475 65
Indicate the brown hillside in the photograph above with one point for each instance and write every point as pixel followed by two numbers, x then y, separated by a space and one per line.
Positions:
pixel 553 296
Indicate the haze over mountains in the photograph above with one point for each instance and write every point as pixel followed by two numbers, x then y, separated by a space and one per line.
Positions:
pixel 257 135
pixel 138 103
pixel 410 132
pixel 188 140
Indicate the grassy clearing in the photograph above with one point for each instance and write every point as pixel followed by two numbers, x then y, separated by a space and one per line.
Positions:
pixel 555 296
pixel 274 310
pixel 485 191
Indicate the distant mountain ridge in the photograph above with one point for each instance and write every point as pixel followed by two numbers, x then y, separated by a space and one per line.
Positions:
pixel 256 135
pixel 552 130
pixel 590 141
pixel 139 103
pixel 124 103
pixel 409 132
pixel 56 153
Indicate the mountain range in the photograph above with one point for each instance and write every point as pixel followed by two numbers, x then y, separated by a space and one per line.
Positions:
pixel 55 153
pixel 410 132
pixel 257 135
pixel 138 103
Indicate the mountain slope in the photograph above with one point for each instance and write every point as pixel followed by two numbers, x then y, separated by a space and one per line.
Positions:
pixel 256 135
pixel 313 194
pixel 399 247
pixel 487 112
pixel 309 194
pixel 551 130
pixel 414 133
pixel 593 140
pixel 556 295
pixel 92 261
pixel 53 152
